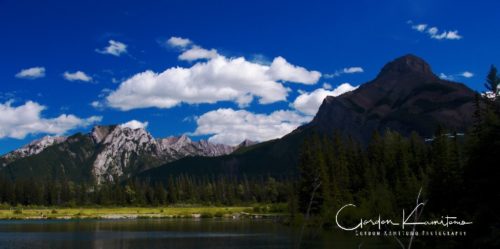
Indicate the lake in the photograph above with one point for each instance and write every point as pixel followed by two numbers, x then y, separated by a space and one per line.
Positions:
pixel 167 233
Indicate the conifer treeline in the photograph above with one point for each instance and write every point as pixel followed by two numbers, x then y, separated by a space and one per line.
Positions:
pixel 182 189
pixel 381 178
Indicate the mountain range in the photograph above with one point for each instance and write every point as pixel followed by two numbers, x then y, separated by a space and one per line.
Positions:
pixel 406 96
pixel 107 153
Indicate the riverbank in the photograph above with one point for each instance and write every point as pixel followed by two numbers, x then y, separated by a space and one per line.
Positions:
pixel 136 213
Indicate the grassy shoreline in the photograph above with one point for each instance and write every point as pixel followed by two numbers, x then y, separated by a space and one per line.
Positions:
pixel 136 212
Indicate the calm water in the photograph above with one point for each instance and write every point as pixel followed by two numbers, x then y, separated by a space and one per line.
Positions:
pixel 166 233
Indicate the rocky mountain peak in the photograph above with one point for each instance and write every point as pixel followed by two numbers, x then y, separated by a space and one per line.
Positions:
pixel 175 141
pixel 246 143
pixel 99 132
pixel 406 96
pixel 33 148
pixel 183 139
pixel 407 65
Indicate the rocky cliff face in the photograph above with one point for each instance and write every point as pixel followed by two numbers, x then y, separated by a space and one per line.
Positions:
pixel 111 152
pixel 125 151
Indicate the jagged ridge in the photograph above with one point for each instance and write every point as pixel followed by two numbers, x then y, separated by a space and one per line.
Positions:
pixel 110 152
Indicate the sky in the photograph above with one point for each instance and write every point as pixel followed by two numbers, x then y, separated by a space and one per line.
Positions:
pixel 218 70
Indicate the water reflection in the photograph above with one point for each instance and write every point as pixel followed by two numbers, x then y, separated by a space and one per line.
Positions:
pixel 163 233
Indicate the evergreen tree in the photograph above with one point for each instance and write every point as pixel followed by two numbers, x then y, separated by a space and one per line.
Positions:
pixel 310 180
pixel 492 81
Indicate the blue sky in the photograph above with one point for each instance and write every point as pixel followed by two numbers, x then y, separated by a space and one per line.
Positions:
pixel 295 48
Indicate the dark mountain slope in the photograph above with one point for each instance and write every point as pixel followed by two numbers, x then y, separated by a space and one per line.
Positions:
pixel 406 96
pixel 272 158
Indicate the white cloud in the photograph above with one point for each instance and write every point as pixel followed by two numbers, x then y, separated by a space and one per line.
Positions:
pixel 179 42
pixel 228 126
pixel 19 121
pixel 467 74
pixel 327 86
pixel 134 124
pixel 197 53
pixel 78 75
pixel 346 70
pixel 434 33
pixel 419 27
pixel 282 70
pixel 115 48
pixel 309 102
pixel 217 79
pixel 353 70
pixel 97 104
pixel 445 76
pixel 31 73
pixel 448 35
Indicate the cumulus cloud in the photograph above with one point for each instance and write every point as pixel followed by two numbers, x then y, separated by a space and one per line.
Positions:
pixel 434 33
pixel 228 126
pixel 347 70
pixel 197 53
pixel 179 42
pixel 134 124
pixel 282 70
pixel 31 73
pixel 209 81
pixel 309 102
pixel 115 48
pixel 19 121
pixel 78 75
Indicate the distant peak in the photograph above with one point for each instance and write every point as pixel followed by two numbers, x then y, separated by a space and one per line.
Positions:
pixel 184 138
pixel 246 143
pixel 407 64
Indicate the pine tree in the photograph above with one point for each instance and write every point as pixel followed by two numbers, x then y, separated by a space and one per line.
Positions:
pixel 341 178
pixel 310 180
pixel 172 196
pixel 492 81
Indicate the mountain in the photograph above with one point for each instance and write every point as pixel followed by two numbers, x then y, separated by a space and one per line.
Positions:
pixel 33 148
pixel 405 96
pixel 105 154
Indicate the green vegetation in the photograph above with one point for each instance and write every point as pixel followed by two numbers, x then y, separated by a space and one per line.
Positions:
pixel 130 212
pixel 183 189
